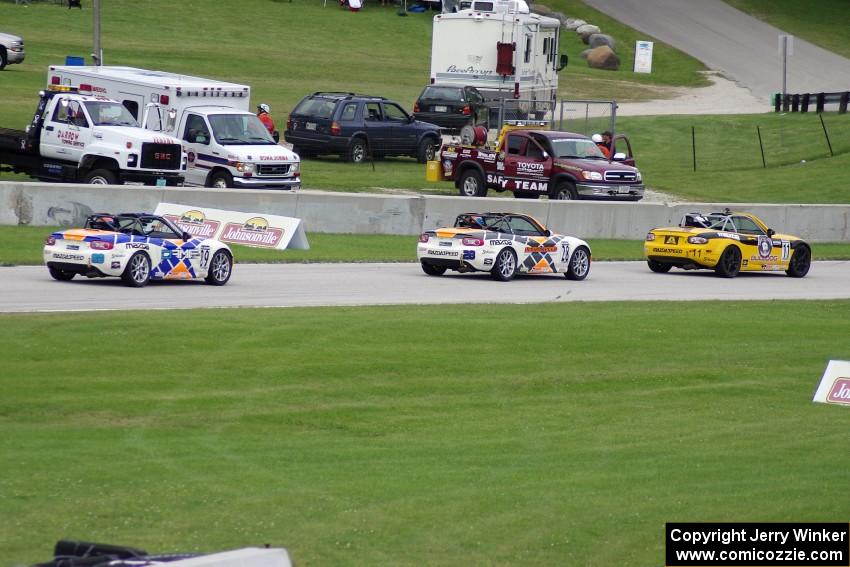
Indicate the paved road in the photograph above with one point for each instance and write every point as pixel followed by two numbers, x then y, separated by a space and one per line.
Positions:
pixel 30 288
pixel 741 47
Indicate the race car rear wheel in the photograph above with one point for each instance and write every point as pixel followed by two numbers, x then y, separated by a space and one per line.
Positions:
pixel 504 268
pixel 579 264
pixel 563 191
pixel 800 263
pixel 221 266
pixel 138 270
pixel 60 275
pixel 658 267
pixel 471 184
pixel 730 262
pixel 433 270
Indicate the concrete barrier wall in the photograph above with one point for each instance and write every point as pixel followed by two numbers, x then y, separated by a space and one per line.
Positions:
pixel 44 204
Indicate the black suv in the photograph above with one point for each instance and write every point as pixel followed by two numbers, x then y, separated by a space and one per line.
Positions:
pixel 358 127
pixel 450 106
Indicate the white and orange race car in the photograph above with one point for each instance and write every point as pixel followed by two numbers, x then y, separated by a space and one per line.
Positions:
pixel 137 247
pixel 504 244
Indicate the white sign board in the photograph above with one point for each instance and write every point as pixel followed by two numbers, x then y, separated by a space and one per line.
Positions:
pixel 643 57
pixel 834 387
pixel 248 229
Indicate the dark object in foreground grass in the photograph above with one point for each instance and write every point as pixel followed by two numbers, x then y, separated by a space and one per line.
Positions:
pixel 69 553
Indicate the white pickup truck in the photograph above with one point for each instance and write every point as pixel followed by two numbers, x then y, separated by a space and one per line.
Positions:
pixel 76 137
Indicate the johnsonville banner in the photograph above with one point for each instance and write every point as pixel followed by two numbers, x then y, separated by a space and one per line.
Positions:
pixel 834 387
pixel 248 229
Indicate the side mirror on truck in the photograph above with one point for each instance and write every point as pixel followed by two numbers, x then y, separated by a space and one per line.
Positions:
pixel 563 62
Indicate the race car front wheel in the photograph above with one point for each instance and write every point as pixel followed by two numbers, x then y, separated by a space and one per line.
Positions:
pixel 433 270
pixel 60 275
pixel 221 266
pixel 579 264
pixel 800 263
pixel 138 270
pixel 730 262
pixel 504 268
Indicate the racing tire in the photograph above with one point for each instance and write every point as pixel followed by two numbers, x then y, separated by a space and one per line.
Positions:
pixel 2 58
pixel 427 150
pixel 433 270
pixel 579 264
pixel 800 262
pixel 138 270
pixel 563 191
pixel 471 184
pixel 730 262
pixel 357 151
pixel 504 267
pixel 658 267
pixel 60 275
pixel 221 180
pixel 526 195
pixel 101 177
pixel 221 266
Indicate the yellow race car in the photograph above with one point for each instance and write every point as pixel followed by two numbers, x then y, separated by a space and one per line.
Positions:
pixel 728 243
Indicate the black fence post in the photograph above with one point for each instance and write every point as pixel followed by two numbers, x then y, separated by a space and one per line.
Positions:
pixel 804 103
pixel 761 147
pixel 694 146
pixel 820 102
pixel 786 103
pixel 825 133
pixel 795 103
pixel 777 102
pixel 842 105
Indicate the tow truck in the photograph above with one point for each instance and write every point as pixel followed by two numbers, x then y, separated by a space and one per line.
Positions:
pixel 77 137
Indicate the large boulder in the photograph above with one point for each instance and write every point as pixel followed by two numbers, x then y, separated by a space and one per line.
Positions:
pixel 603 57
pixel 598 39
pixel 586 31
pixel 585 53
pixel 542 10
pixel 573 23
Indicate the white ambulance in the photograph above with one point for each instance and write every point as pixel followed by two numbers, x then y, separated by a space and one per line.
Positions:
pixel 226 144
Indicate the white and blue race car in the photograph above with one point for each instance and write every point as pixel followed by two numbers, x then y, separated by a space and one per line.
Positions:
pixel 504 244
pixel 137 247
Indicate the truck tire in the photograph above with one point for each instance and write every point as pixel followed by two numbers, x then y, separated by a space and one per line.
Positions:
pixel 357 151
pixel 427 150
pixel 471 184
pixel 101 177
pixel 221 180
pixel 563 191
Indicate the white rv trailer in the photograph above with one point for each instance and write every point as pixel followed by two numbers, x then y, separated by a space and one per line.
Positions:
pixel 500 48
pixel 226 143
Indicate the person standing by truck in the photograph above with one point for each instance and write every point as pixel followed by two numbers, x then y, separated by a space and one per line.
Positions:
pixel 263 110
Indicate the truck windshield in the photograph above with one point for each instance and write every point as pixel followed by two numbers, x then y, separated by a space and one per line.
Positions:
pixel 239 129
pixel 105 113
pixel 576 148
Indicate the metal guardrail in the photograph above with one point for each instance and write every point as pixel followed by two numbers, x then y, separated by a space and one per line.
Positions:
pixel 801 102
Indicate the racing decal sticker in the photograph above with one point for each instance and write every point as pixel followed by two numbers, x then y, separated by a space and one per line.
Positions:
pixel 442 253
pixel 786 250
pixel 731 235
pixel 499 242
pixel 765 245
pixel 205 257
pixel 469 254
pixel 671 239
pixel 115 265
pixel 565 252
pixel 488 261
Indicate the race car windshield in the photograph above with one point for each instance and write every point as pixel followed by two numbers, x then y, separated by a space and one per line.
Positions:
pixel 240 130
pixel 109 114
pixel 576 148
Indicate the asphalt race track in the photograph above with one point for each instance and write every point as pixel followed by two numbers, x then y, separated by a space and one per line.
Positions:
pixel 30 288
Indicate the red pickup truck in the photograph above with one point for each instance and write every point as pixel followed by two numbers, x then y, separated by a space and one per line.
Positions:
pixel 531 163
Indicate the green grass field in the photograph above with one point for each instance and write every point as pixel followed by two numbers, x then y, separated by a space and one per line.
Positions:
pixel 21 245
pixel 418 435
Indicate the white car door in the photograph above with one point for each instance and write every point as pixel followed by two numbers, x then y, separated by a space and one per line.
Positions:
pixel 66 132
pixel 197 139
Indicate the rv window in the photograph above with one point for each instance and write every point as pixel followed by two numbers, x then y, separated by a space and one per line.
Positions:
pixel 546 45
pixel 483 6
pixel 527 48
pixel 133 107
